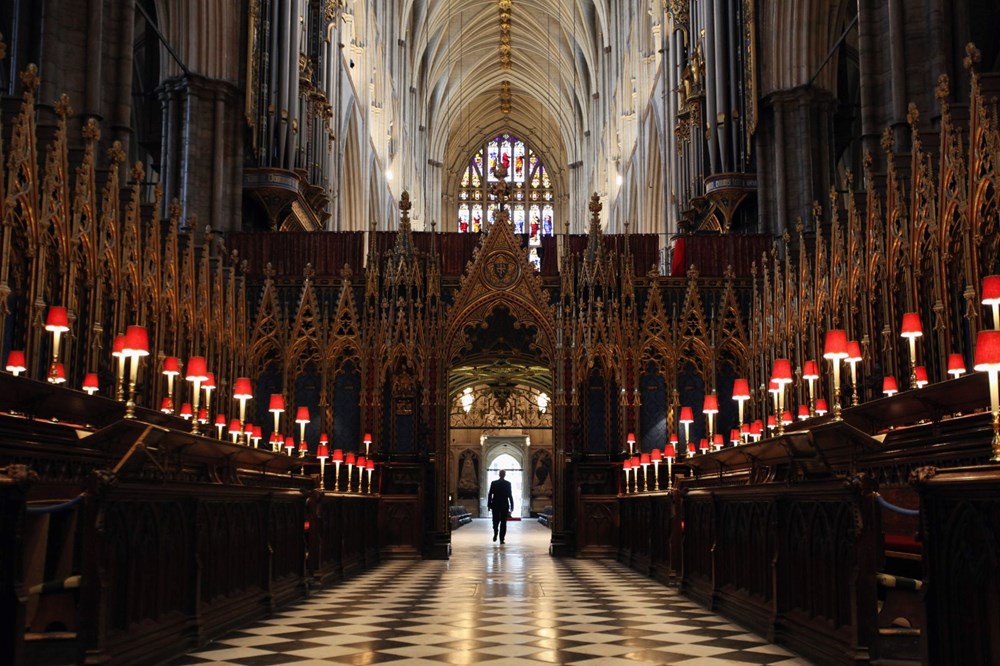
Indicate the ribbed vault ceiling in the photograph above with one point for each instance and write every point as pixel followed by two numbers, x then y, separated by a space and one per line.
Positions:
pixel 456 45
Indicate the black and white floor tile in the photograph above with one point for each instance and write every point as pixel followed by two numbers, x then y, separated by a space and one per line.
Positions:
pixel 495 604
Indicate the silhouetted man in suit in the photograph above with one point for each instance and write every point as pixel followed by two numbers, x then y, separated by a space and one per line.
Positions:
pixel 501 502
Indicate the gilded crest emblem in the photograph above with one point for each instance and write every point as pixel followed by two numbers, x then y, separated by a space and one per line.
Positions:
pixel 501 270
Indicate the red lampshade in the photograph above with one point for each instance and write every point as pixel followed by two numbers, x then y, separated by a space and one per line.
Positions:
pixel 810 370
pixel 745 429
pixel 234 426
pixel 277 403
pixel 197 369
pixel 691 449
pixel 741 390
pixel 57 319
pixel 734 435
pixel 911 328
pixel 687 415
pixel 289 444
pixel 360 462
pixel 803 412
pixel 171 366
pixel 853 351
pixel 166 406
pixel 920 372
pixel 118 347
pixel 644 459
pixel 57 375
pixel 186 412
pixel 302 415
pixel 367 439
pixel 322 451
pixel 630 438
pixel 703 444
pixel 202 415
pixel 773 386
pixel 136 341
pixel 15 361
pixel 756 428
pixel 711 405
pixel 782 371
pixel 988 351
pixel 635 461
pixel 889 385
pixel 956 365
pixel 303 447
pixel 835 345
pixel 338 455
pixel 248 429
pixel 627 464
pixel 323 439
pixel 90 384
pixel 349 458
pixel 991 290
pixel 786 417
pixel 821 407
pixel 257 434
pixel 655 456
pixel 772 423
pixel 370 465
pixel 242 389
pixel 209 383
pixel 674 439
pixel 669 452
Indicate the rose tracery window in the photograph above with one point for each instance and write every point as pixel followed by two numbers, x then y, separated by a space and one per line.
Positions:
pixel 531 200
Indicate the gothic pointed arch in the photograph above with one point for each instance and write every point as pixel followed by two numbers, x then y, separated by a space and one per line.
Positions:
pixel 500 275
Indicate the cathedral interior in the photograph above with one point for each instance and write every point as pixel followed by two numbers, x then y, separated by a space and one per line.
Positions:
pixel 285 284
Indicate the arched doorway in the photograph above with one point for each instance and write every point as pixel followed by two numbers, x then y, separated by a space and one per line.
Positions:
pixel 514 470
pixel 500 382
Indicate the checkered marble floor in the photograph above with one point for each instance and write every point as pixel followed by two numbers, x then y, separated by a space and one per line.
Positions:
pixel 495 604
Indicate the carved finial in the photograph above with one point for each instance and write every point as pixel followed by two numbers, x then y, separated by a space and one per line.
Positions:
pixel 849 177
pixel 972 56
pixel 269 271
pixel 800 227
pixel 115 154
pixel 308 272
pixel 346 272
pixel 62 107
pixel 595 204
pixel 174 210
pixel 692 273
pixel 943 88
pixel 91 131
pixel 887 141
pixel 753 269
pixel 29 79
pixel 729 273
pixel 137 173
pixel 868 160
pixel 405 205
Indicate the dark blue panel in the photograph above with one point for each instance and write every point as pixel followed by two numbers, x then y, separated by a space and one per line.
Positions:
pixel 652 411
pixel 307 391
pixel 596 417
pixel 692 391
pixel 346 409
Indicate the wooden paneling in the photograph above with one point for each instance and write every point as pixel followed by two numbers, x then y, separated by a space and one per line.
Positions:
pixel 795 563
pixel 645 534
pixel 597 525
pixel 400 526
pixel 961 539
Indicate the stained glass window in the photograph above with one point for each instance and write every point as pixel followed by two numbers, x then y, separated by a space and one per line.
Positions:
pixel 531 210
